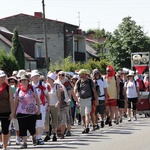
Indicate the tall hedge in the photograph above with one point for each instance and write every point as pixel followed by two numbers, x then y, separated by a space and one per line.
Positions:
pixel 68 65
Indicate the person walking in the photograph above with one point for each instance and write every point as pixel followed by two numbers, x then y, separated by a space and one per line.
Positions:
pixel 132 94
pixel 13 82
pixel 102 96
pixel 54 95
pixel 112 94
pixel 43 96
pixel 84 88
pixel 6 108
pixel 27 107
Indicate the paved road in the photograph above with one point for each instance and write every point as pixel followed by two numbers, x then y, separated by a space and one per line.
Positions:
pixel 134 135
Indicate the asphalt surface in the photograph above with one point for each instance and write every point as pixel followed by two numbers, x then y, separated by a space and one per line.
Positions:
pixel 134 135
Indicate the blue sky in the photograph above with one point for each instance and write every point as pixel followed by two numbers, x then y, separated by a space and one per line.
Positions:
pixel 107 14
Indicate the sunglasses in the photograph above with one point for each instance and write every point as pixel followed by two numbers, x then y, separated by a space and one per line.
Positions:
pixel 61 75
pixel 96 73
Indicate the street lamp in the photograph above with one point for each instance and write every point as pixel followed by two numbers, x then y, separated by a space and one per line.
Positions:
pixel 45 36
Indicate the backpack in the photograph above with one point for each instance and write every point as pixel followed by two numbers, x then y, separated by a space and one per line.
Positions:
pixel 90 83
pixel 134 82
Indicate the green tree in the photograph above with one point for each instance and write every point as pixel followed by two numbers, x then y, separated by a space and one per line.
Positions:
pixel 126 39
pixel 17 49
pixel 67 65
pixel 8 62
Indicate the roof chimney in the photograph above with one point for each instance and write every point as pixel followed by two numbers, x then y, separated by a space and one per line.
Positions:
pixel 38 14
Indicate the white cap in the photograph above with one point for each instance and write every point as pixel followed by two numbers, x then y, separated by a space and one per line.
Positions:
pixel 35 73
pixel 52 76
pixel 15 72
pixel 20 73
pixel 2 73
pixel 75 77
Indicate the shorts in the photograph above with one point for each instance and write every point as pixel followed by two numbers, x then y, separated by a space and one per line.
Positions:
pixel 65 117
pixel 15 124
pixel 133 101
pixel 100 108
pixel 93 107
pixel 121 103
pixel 54 117
pixel 26 122
pixel 85 106
pixel 111 102
pixel 5 122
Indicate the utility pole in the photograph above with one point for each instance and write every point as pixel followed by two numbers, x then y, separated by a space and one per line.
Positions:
pixel 45 36
pixel 98 25
pixel 79 19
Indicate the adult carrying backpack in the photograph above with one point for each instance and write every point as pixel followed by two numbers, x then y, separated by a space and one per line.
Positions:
pixel 90 83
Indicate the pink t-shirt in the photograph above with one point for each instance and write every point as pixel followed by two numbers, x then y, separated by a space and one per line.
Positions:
pixel 27 102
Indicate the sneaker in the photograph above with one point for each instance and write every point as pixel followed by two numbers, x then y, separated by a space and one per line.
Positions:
pixel 96 127
pixel 86 130
pixel 68 133
pixel 23 146
pixel 110 124
pixel 129 119
pixel 17 142
pixel 34 141
pixel 125 115
pixel 107 120
pixel 117 121
pixel 47 138
pixel 102 124
pixel 120 120
pixel 135 118
pixel 39 142
pixel 62 136
pixel 54 138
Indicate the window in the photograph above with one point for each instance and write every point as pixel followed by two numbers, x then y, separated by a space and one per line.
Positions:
pixel 76 48
pixel 38 52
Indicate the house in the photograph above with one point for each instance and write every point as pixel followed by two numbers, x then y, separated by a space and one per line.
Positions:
pixel 63 39
pixel 29 47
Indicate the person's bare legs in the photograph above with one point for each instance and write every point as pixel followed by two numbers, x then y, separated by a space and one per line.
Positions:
pixel 5 140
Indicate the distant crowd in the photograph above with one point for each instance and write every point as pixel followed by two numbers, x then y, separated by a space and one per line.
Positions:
pixel 35 105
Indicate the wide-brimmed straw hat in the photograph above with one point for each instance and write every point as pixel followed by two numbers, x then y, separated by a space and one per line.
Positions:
pixel 82 71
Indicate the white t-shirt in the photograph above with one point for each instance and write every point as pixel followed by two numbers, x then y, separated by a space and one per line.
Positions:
pixel 102 85
pixel 131 89
pixel 42 108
